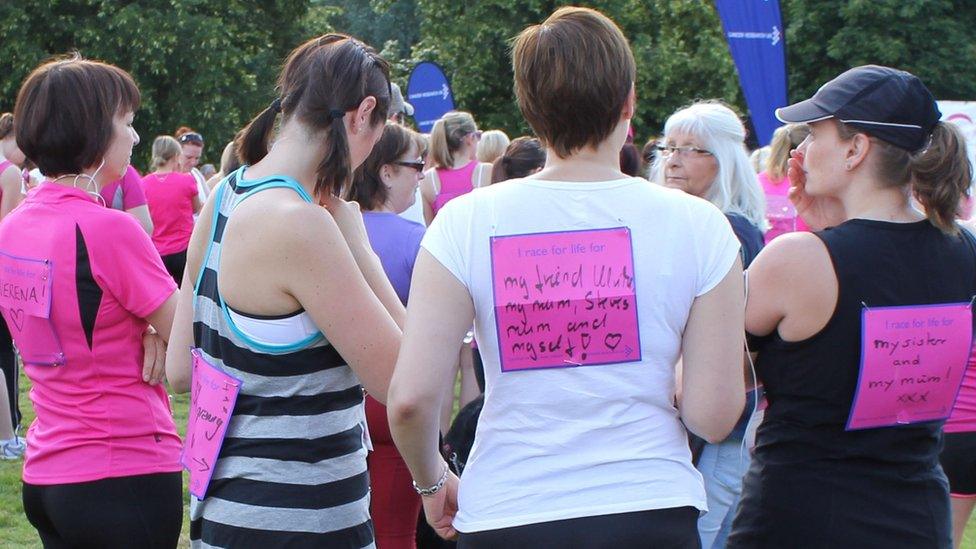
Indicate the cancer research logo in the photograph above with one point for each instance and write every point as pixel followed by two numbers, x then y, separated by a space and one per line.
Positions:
pixel 773 37
pixel 444 92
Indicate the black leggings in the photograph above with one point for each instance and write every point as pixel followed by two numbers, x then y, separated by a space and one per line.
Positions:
pixel 175 264
pixel 138 511
pixel 8 363
pixel 675 528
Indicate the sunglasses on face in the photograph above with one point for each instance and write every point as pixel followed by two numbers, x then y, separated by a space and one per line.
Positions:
pixel 191 138
pixel 415 164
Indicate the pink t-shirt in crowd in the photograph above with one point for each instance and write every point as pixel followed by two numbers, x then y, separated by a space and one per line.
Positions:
pixel 963 418
pixel 124 193
pixel 170 198
pixel 780 212
pixel 454 183
pixel 96 417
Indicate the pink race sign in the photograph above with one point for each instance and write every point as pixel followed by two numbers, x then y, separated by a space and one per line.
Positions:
pixel 25 286
pixel 212 397
pixel 912 364
pixel 565 299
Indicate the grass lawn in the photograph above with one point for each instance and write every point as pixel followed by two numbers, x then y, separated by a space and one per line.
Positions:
pixel 16 532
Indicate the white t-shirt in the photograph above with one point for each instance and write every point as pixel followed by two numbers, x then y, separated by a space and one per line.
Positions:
pixel 567 442
pixel 415 212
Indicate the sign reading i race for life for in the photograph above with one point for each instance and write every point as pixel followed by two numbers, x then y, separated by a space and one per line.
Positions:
pixel 25 286
pixel 912 363
pixel 213 394
pixel 429 91
pixel 565 299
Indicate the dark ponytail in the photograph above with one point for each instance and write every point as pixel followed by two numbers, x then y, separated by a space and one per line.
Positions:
pixel 942 174
pixel 322 80
pixel 252 142
pixel 523 157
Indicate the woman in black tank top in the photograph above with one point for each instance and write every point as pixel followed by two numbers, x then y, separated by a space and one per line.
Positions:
pixel 876 140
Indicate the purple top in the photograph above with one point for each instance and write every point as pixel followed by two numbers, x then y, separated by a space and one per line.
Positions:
pixel 396 241
pixel 126 192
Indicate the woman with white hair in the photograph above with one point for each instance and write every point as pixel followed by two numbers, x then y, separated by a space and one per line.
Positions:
pixel 703 153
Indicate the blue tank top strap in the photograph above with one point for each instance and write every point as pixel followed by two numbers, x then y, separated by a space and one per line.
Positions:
pixel 230 193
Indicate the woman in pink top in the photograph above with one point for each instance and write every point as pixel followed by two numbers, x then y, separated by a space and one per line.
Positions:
pixel 11 160
pixel 81 285
pixel 453 153
pixel 779 210
pixel 457 171
pixel 173 199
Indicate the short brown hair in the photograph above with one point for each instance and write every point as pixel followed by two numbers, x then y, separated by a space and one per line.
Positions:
pixel 65 111
pixel 367 185
pixel 573 74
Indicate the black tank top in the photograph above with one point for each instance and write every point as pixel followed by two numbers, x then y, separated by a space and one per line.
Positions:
pixel 810 384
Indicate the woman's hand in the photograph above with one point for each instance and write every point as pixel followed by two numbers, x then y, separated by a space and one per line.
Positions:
pixel 349 218
pixel 441 507
pixel 818 212
pixel 154 360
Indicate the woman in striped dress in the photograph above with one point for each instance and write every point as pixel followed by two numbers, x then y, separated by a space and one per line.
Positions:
pixel 289 298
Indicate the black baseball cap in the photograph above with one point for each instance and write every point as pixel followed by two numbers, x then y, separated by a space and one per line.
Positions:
pixel 889 104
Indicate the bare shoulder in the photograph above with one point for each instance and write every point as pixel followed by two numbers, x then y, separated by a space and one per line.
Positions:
pixel 797 254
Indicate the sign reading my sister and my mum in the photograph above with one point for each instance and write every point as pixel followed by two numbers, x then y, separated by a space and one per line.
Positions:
pixel 912 363
pixel 565 299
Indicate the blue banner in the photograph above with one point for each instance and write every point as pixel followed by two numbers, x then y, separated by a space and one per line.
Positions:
pixel 754 31
pixel 429 91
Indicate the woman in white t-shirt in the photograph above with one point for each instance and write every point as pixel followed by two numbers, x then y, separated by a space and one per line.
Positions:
pixel 584 286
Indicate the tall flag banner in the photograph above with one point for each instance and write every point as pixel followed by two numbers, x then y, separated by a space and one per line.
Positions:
pixel 429 91
pixel 754 32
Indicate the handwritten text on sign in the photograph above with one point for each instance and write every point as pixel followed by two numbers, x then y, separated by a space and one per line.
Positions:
pixel 912 364
pixel 565 299
pixel 25 286
pixel 212 397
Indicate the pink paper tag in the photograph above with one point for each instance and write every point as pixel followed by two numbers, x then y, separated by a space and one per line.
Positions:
pixel 213 394
pixel 565 299
pixel 25 287
pixel 912 364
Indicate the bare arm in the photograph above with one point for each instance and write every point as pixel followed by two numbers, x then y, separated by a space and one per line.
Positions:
pixel 349 220
pixel 178 358
pixel 428 192
pixel 10 181
pixel 712 392
pixel 141 213
pixel 323 276
pixel 440 313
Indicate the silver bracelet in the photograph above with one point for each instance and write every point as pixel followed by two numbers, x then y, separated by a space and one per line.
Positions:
pixel 431 490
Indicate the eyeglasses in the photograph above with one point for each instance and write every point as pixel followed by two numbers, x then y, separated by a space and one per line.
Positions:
pixel 694 152
pixel 415 164
pixel 191 137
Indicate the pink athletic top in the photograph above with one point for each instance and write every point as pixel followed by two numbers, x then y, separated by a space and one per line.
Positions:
pixel 96 417
pixel 454 183
pixel 125 192
pixel 170 198
pixel 963 418
pixel 779 210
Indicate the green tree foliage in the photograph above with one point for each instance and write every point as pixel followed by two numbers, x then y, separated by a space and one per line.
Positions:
pixel 934 39
pixel 678 44
pixel 208 64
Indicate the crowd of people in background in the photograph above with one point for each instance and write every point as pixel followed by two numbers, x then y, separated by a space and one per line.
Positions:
pixel 548 340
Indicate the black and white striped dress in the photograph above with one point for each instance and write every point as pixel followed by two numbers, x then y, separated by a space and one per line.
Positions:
pixel 292 469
